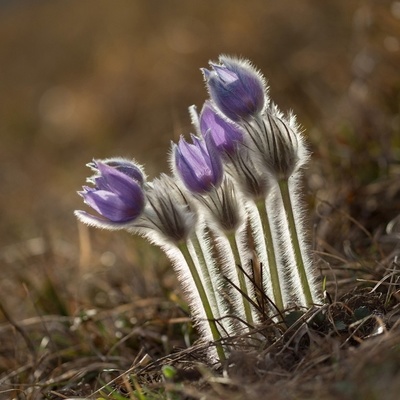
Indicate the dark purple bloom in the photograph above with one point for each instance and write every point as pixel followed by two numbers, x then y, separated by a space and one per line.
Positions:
pixel 236 88
pixel 116 196
pixel 199 165
pixel 225 133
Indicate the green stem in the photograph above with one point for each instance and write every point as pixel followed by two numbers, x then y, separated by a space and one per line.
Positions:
pixel 204 299
pixel 205 270
pixel 272 264
pixel 287 203
pixel 242 281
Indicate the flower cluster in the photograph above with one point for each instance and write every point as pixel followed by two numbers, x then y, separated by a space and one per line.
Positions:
pixel 229 216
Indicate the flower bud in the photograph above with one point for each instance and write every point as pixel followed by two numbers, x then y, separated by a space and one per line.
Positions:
pixel 224 207
pixel 198 165
pixel 225 133
pixel 167 215
pixel 236 87
pixel 277 143
pixel 253 184
pixel 116 196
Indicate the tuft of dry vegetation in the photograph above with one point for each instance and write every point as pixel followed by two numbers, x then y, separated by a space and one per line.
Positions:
pixel 87 314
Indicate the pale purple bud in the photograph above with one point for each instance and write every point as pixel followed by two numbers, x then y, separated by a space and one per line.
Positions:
pixel 225 133
pixel 199 165
pixel 236 87
pixel 116 196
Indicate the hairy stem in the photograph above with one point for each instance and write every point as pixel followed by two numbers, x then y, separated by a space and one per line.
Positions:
pixel 287 204
pixel 204 299
pixel 241 277
pixel 271 255
pixel 210 282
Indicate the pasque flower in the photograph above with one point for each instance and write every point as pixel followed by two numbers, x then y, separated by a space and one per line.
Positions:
pixel 116 196
pixel 199 165
pixel 226 133
pixel 236 87
pixel 240 174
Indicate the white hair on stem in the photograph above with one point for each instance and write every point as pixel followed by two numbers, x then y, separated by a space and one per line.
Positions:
pixel 214 282
pixel 225 213
pixel 189 289
pixel 235 256
pixel 282 245
pixel 260 246
pixel 295 290
pixel 301 224
pixel 228 267
pixel 242 243
pixel 191 292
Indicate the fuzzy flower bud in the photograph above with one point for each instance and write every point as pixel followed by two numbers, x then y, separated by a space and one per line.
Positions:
pixel 199 165
pixel 278 143
pixel 225 133
pixel 253 184
pixel 236 87
pixel 117 197
pixel 166 218
pixel 224 207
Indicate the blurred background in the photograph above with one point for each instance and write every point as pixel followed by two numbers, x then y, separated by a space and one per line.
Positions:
pixel 94 79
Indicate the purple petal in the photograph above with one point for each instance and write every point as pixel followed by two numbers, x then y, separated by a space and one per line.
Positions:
pixel 225 134
pixel 188 173
pixel 117 182
pixel 126 167
pixel 194 165
pixel 191 153
pixel 207 169
pixel 248 76
pixel 200 145
pixel 224 74
pixel 214 159
pixel 236 88
pixel 113 207
pixel 101 183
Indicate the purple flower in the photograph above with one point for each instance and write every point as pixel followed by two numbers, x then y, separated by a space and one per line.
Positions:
pixel 117 196
pixel 236 87
pixel 199 164
pixel 225 133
